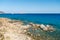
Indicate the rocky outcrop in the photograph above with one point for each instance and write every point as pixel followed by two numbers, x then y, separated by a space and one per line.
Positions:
pixel 43 27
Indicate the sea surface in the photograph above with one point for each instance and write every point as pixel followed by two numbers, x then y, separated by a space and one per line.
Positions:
pixel 51 19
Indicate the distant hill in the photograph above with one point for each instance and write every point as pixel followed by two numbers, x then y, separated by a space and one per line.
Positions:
pixel 1 12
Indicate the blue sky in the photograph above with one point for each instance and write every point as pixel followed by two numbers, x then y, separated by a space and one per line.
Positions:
pixel 30 6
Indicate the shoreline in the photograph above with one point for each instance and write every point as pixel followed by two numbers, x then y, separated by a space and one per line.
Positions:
pixel 17 29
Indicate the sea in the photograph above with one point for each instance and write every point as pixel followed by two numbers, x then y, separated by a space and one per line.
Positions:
pixel 51 19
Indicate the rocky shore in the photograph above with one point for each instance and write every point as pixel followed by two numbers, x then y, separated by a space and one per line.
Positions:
pixel 16 30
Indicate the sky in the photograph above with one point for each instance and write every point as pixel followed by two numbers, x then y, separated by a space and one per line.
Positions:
pixel 30 6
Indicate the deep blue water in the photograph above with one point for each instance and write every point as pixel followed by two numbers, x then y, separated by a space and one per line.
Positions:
pixel 53 19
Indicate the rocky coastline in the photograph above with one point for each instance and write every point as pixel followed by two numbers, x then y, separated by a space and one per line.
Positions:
pixel 16 30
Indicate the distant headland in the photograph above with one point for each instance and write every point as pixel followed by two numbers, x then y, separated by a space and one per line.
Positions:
pixel 1 12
